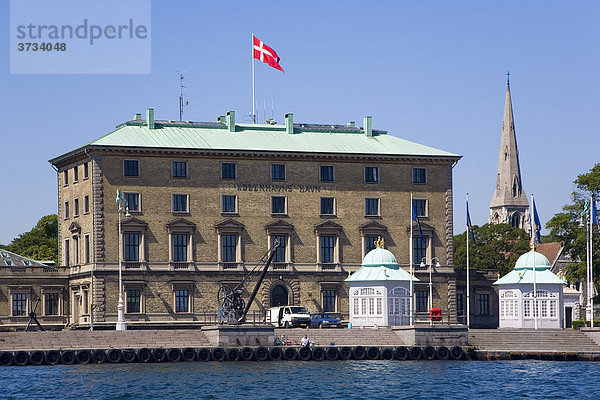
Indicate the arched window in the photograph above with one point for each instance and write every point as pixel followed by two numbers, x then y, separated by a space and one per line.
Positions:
pixel 546 305
pixel 509 305
pixel 515 220
pixel 279 296
pixel 399 306
pixel 367 302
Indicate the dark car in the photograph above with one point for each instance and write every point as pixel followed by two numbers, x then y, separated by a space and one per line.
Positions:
pixel 324 320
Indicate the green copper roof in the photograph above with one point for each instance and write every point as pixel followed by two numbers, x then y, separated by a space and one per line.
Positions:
pixel 379 257
pixel 531 258
pixel 381 273
pixel 248 137
pixel 525 276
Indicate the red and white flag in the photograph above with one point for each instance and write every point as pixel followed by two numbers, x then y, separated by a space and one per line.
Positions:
pixel 266 54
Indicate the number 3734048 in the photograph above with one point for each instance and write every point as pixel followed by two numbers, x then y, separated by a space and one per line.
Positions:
pixel 44 46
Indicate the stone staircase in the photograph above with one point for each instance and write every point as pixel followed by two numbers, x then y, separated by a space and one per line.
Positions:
pixel 72 340
pixel 529 340
pixel 342 337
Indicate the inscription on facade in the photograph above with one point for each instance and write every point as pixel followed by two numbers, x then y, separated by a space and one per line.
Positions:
pixel 255 187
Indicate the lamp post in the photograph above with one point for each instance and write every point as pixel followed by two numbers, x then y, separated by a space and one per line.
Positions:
pixel 437 265
pixel 121 324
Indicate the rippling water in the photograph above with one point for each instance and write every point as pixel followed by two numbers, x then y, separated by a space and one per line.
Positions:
pixel 307 380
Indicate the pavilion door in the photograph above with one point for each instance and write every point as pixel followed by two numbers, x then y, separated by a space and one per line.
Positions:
pixel 568 317
pixel 399 309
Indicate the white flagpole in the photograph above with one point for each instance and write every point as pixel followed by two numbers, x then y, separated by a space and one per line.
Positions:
pixel 587 266
pixel 591 295
pixel 468 278
pixel 253 95
pixel 410 252
pixel 533 237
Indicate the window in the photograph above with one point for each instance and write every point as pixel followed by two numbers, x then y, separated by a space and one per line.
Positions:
pixel 509 305
pixel 133 201
pixel 86 171
pixel 228 171
pixel 76 250
pixel 179 169
pixel 66 210
pixel 180 247
pixel 229 203
pixel 51 304
pixel 419 249
pixel 19 304
pixel 372 207
pixel 132 247
pixel 326 173
pixel 134 301
pixel 278 172
pixel 180 203
pixel 229 246
pixel 367 301
pixel 329 301
pixel 419 176
pixel 279 256
pixel 327 244
pixel 421 300
pixel 420 206
pixel 131 168
pixel 370 243
pixel 75 174
pixel 67 254
pixel 182 301
pixel 86 240
pixel 278 205
pixel 327 206
pixel 460 307
pixel 65 177
pixel 76 207
pixel 372 174
pixel 86 204
pixel 483 304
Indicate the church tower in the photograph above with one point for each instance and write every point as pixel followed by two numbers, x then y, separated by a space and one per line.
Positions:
pixel 509 204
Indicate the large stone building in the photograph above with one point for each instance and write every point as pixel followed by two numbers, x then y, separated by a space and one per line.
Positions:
pixel 509 203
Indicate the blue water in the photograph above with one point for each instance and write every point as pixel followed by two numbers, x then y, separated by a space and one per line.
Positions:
pixel 307 380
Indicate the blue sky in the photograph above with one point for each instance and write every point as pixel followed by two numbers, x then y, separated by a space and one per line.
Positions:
pixel 431 72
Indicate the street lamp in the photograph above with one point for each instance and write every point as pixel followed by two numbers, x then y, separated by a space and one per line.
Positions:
pixel 121 324
pixel 437 265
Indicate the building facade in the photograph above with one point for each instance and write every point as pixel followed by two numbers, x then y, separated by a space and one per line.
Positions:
pixel 205 200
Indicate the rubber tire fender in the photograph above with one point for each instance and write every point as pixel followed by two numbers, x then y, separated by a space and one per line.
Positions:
pixel 345 353
pixel 6 358
pixel 203 354
pixel 373 353
pixel 429 353
pixel 401 353
pixel 318 354
pixel 98 357
pixel 415 353
pixel 158 355
pixel 359 353
pixel 67 357
pixel 143 355
pixel 21 358
pixel 128 356
pixel 36 357
pixel 83 356
pixel 188 354
pixel 261 353
pixel 114 356
pixel 174 355
pixel 456 353
pixel 387 353
pixel 218 354
pixel 290 354
pixel 233 354
pixel 246 353
pixel 276 354
pixel 304 353
pixel 52 357
pixel 443 353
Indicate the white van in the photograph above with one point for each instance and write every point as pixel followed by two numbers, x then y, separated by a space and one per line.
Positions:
pixel 288 316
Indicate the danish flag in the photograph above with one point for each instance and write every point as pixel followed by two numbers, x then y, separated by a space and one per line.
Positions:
pixel 266 54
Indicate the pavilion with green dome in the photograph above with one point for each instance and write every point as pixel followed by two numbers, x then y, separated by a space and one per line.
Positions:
pixel 519 308
pixel 380 291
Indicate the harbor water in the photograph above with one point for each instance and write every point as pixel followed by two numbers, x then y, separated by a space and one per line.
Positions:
pixel 307 380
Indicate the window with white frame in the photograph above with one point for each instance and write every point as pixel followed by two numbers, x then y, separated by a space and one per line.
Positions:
pixel 51 303
pixel 86 248
pixel 179 169
pixel 228 171
pixel 547 303
pixel 420 207
pixel 509 305
pixel 86 204
pixel 76 174
pixel 372 207
pixel 327 206
pixel 134 300
pixel 76 207
pixel 419 249
pixel 326 173
pixel 229 204
pixel 180 203
pixel 278 172
pixel 278 205
pixel 372 174
pixel 182 301
pixel 229 242
pixel 329 296
pixel 20 303
pixel 367 302
pixel 133 201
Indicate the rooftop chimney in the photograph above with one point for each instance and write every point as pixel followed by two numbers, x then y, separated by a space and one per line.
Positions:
pixel 367 126
pixel 137 117
pixel 289 123
pixel 351 124
pixel 150 118
pixel 231 121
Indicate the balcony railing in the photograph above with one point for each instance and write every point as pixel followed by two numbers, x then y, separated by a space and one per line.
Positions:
pixel 132 265
pixel 180 265
pixel 230 265
pixel 328 266
pixel 279 266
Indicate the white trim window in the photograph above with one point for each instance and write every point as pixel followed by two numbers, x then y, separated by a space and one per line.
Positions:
pixel 367 302
pixel 546 305
pixel 509 305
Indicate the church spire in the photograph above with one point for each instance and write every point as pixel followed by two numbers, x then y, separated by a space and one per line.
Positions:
pixel 509 203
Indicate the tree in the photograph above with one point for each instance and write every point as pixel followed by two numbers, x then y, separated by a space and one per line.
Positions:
pixel 498 247
pixel 569 227
pixel 40 243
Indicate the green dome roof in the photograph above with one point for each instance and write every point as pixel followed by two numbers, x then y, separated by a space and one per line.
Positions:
pixel 380 257
pixel 526 261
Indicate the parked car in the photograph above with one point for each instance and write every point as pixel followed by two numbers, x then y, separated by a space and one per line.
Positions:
pixel 324 320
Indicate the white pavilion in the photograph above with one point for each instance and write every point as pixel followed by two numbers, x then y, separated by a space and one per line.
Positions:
pixel 380 291
pixel 517 308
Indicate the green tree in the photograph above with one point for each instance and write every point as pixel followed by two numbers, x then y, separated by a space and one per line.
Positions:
pixel 40 243
pixel 569 226
pixel 498 247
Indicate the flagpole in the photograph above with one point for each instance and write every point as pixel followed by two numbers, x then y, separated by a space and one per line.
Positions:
pixel 410 252
pixel 468 278
pixel 533 233
pixel 591 295
pixel 587 265
pixel 253 95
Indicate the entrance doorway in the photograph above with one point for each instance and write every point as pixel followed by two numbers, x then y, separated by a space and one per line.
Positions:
pixel 568 317
pixel 279 296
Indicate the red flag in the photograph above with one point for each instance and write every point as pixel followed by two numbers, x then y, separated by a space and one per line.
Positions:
pixel 266 54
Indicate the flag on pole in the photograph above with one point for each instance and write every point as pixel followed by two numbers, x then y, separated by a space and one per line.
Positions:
pixel 595 219
pixel 537 224
pixel 266 54
pixel 120 199
pixel 469 226
pixel 416 219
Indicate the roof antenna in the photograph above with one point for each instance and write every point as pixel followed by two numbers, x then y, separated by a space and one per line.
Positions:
pixel 181 101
